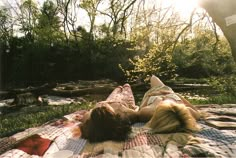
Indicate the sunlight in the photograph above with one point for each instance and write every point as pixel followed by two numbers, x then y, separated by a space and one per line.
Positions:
pixel 185 7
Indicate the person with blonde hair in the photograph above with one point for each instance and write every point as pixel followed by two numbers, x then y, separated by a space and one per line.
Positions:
pixel 165 111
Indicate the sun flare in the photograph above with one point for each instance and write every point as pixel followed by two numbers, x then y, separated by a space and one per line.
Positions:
pixel 185 7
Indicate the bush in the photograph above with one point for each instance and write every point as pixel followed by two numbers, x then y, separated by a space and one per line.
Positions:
pixel 153 62
pixel 224 85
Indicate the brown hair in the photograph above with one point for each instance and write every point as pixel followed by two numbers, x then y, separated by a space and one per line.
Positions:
pixel 172 117
pixel 105 125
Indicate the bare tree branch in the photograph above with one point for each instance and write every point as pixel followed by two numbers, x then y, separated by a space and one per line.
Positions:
pixel 183 30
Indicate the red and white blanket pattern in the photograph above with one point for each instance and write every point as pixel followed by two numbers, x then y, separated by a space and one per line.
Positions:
pixel 64 135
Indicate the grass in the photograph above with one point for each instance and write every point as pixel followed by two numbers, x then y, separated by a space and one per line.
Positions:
pixel 222 99
pixel 35 116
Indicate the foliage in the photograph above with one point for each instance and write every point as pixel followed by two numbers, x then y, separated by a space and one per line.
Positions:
pixel 91 7
pixel 49 43
pixel 109 54
pixel 48 27
pixel 194 58
pixel 5 27
pixel 28 17
pixel 225 85
pixel 155 32
pixel 153 62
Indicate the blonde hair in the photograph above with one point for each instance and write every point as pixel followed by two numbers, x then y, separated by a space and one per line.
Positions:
pixel 172 117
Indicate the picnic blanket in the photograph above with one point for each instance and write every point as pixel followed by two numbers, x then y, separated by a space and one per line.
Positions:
pixel 62 138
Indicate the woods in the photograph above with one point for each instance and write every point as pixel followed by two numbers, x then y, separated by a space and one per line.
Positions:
pixel 122 40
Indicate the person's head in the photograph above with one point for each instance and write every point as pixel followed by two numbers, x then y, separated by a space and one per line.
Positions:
pixel 105 124
pixel 170 116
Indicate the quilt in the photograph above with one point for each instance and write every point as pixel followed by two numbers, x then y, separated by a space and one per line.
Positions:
pixel 62 138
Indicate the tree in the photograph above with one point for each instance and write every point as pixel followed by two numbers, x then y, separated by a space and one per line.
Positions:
pixel 28 18
pixel 156 30
pixel 91 7
pixel 157 25
pixel 6 32
pixel 68 9
pixel 223 13
pixel 118 12
pixel 48 28
pixel 6 26
pixel 199 56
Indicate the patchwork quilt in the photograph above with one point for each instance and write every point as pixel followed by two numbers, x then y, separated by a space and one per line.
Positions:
pixel 62 138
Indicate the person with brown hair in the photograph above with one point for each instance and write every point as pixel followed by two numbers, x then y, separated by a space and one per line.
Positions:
pixel 111 119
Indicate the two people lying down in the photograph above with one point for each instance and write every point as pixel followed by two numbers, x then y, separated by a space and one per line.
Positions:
pixel 161 108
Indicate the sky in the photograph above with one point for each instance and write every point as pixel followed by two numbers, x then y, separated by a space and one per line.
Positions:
pixel 183 7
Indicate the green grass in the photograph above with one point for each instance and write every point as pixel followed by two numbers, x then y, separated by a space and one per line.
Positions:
pixel 223 99
pixel 34 116
pixel 215 100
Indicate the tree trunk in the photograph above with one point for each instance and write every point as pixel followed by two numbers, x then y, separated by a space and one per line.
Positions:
pixel 223 13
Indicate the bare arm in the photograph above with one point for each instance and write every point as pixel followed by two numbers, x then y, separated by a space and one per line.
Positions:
pixel 145 113
pixel 192 109
pixel 144 103
pixel 186 102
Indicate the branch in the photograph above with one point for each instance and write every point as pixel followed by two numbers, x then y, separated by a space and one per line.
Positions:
pixel 183 30
pixel 215 33
pixel 124 18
